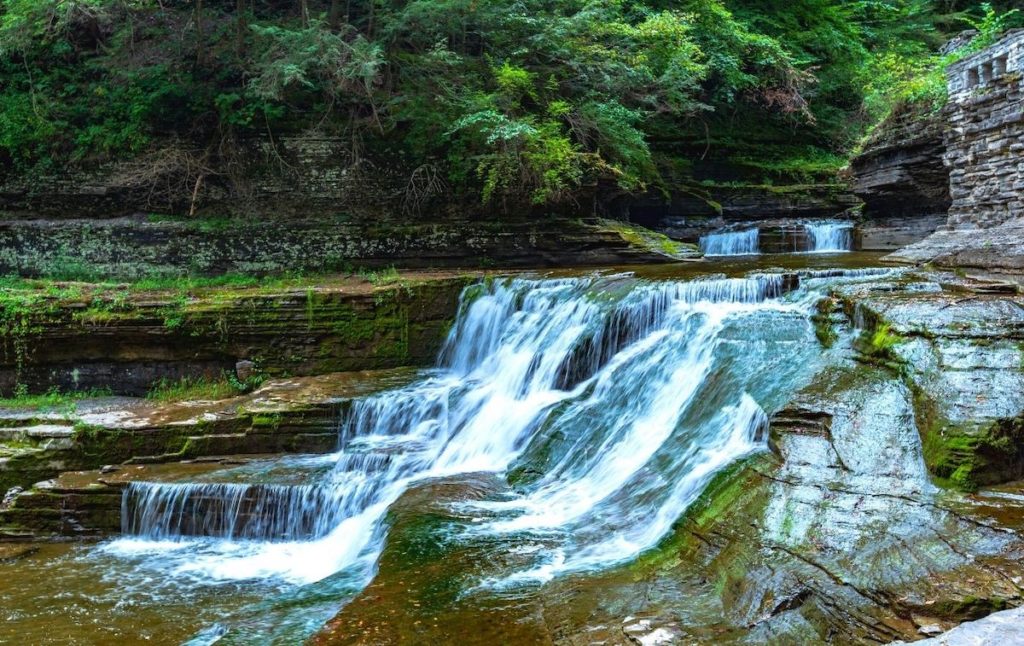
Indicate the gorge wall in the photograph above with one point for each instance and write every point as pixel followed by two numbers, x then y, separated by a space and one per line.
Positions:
pixel 267 205
pixel 984 153
pixel 901 179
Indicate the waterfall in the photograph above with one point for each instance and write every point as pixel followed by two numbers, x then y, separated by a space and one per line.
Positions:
pixel 824 237
pixel 606 403
pixel 229 510
pixel 866 272
pixel 730 243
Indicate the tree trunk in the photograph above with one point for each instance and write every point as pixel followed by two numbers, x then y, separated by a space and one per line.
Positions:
pixel 241 26
pixel 200 45
pixel 334 16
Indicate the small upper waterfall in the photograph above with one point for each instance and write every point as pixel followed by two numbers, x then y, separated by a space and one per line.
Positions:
pixel 821 237
pixel 829 236
pixel 605 402
pixel 730 243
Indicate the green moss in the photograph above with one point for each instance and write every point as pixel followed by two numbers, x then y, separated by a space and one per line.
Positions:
pixel 732 492
pixel 877 346
pixel 651 241
pixel 83 433
pixel 883 340
pixel 968 456
pixel 267 421
pixel 806 164
pixel 400 323
pixel 51 399
pixel 196 388
pixel 824 329
pixel 969 608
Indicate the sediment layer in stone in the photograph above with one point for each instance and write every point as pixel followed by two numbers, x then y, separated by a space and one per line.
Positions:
pixel 126 341
pixel 294 415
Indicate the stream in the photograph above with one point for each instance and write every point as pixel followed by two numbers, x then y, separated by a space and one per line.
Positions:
pixel 570 420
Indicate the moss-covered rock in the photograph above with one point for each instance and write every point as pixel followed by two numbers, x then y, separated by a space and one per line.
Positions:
pixel 958 344
pixel 81 336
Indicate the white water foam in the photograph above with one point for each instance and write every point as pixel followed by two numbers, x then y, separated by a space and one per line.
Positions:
pixel 730 243
pixel 625 399
pixel 829 237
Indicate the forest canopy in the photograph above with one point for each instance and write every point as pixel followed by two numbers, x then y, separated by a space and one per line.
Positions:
pixel 502 100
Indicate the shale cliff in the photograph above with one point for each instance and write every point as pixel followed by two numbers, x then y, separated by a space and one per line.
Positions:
pixel 901 179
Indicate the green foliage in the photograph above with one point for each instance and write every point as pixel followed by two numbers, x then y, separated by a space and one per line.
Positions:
pixel 313 59
pixel 879 344
pixel 517 103
pixel 900 78
pixel 53 399
pixel 196 388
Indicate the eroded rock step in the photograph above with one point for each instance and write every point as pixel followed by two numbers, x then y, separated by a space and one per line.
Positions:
pixel 299 415
pixel 89 504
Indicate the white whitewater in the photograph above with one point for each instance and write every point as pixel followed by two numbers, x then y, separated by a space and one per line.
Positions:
pixel 229 510
pixel 608 402
pixel 829 237
pixel 730 243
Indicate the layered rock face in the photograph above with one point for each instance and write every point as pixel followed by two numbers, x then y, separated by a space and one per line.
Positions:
pixel 289 176
pixel 141 246
pixel 838 535
pixel 901 179
pixel 129 341
pixel 688 216
pixel 144 438
pixel 296 203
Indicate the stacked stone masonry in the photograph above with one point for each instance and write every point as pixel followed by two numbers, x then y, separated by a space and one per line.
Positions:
pixel 985 135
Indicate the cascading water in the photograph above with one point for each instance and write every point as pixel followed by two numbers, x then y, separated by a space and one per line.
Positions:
pixel 606 402
pixel 825 237
pixel 730 243
pixel 229 510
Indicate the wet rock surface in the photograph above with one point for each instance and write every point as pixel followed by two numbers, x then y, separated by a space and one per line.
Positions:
pixel 845 532
pixel 960 344
pixel 998 628
pixel 852 527
pixel 999 248
pixel 838 536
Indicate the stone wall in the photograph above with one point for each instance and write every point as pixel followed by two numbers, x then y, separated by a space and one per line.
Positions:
pixel 985 135
pixel 984 139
